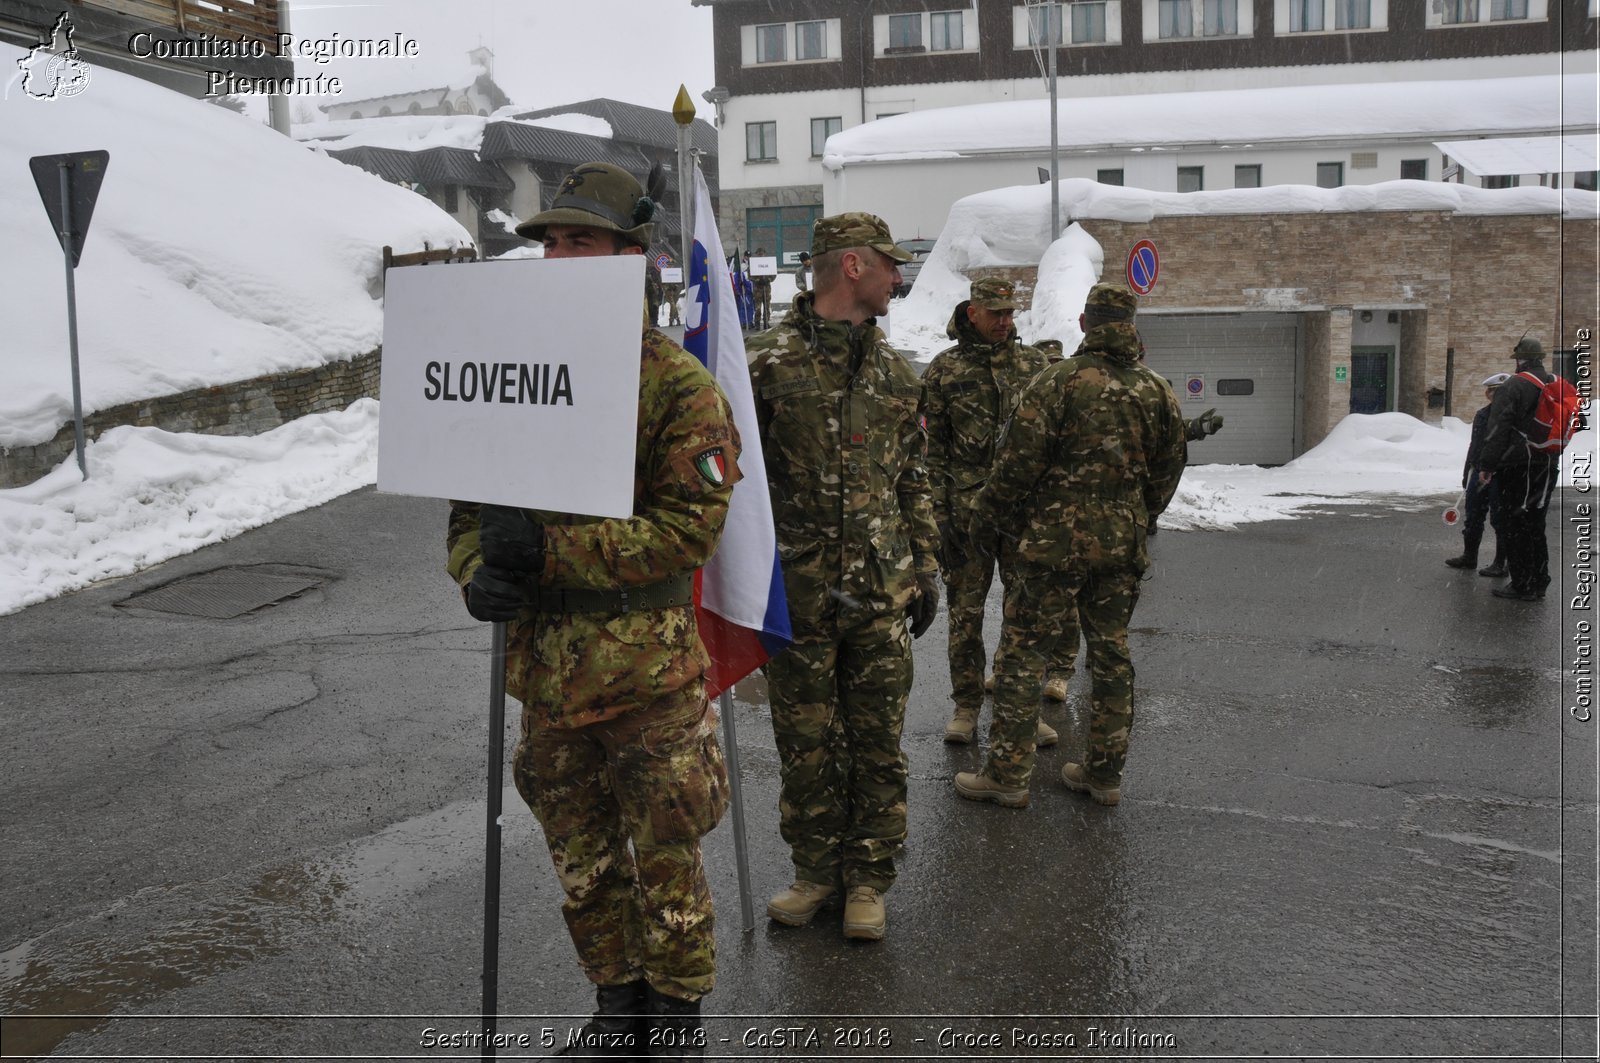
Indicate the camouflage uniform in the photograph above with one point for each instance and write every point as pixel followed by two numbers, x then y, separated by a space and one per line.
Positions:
pixel 971 390
pixel 671 293
pixel 1091 458
pixel 619 744
pixel 839 411
pixel 762 289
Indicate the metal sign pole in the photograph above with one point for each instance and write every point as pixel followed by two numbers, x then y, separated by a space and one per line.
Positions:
pixel 741 846
pixel 65 168
pixel 1052 40
pixel 683 115
pixel 491 840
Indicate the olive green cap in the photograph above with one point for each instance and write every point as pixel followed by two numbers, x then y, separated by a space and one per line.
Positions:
pixel 1113 302
pixel 600 196
pixel 993 293
pixel 1528 347
pixel 1050 346
pixel 855 229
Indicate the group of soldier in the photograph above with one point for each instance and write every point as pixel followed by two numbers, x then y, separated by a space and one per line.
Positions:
pixel 883 486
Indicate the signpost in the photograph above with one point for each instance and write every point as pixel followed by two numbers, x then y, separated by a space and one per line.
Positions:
pixel 763 266
pixel 663 260
pixel 476 404
pixel 1144 266
pixel 69 185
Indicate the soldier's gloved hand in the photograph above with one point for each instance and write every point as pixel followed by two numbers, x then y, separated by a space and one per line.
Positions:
pixel 1209 422
pixel 924 606
pixel 496 594
pixel 510 540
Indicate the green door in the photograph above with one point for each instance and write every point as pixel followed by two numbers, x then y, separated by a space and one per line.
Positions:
pixel 1371 379
pixel 783 231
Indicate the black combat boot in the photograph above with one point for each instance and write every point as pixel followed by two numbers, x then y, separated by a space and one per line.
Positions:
pixel 674 1030
pixel 1464 561
pixel 1496 568
pixel 618 1026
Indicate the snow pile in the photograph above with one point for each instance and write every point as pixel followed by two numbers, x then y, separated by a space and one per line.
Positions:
pixel 219 250
pixel 407 132
pixel 153 495
pixel 574 122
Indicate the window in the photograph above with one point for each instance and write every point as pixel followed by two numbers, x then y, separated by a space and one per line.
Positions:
pixel 1330 174
pixel 1413 169
pixel 889 114
pixel 1044 25
pixel 1176 18
pixel 821 130
pixel 384 112
pixel 905 31
pixel 811 40
pixel 1501 10
pixel 1191 178
pixel 1247 176
pixel 1088 23
pixel 761 141
pixel 1305 16
pixel 1221 18
pixel 771 43
pixel 1108 177
pixel 1236 387
pixel 1455 12
pixel 945 31
pixel 1585 180
pixel 1352 14
pixel 1502 181
pixel 451 203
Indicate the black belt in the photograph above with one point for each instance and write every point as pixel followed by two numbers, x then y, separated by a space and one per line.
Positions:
pixel 670 592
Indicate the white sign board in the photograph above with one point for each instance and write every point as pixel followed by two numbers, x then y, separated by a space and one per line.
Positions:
pixel 513 382
pixel 672 275
pixel 763 266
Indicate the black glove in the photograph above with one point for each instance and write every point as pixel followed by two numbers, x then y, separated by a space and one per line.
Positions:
pixel 496 594
pixel 510 540
pixel 1209 423
pixel 924 606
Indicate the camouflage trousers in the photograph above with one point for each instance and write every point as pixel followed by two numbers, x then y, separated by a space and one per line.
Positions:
pixel 1034 602
pixel 838 706
pixel 966 582
pixel 654 779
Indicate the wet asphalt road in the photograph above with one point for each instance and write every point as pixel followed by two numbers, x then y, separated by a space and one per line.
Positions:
pixel 1358 821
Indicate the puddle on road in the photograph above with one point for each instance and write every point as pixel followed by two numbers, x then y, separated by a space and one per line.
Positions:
pixel 78 977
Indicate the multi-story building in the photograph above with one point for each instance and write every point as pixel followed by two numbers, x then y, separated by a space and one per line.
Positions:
pixel 791 73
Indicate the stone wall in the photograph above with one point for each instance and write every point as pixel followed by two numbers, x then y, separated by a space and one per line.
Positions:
pixel 247 407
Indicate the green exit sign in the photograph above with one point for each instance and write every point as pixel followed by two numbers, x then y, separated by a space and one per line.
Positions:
pixel 1341 373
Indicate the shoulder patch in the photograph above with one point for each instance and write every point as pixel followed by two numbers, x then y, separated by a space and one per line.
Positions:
pixel 712 465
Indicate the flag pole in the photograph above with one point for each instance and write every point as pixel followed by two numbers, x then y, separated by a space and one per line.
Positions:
pixel 741 844
pixel 683 114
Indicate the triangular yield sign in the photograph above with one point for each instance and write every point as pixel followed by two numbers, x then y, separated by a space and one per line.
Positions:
pixel 85 171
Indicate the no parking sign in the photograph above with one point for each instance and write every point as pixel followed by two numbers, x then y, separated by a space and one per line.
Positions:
pixel 1195 386
pixel 1144 265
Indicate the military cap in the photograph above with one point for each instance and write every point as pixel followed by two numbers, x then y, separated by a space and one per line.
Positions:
pixel 1050 346
pixel 993 293
pixel 855 229
pixel 1496 379
pixel 1528 347
pixel 1112 302
pixel 601 196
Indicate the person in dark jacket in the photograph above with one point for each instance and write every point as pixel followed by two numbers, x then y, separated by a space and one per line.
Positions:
pixel 1483 500
pixel 1524 475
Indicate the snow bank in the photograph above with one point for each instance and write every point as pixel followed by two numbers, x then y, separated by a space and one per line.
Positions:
pixel 153 495
pixel 219 250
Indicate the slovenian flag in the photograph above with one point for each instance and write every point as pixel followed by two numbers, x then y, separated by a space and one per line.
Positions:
pixel 739 600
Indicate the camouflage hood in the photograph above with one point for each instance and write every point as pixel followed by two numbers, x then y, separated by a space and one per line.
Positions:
pixel 963 331
pixel 822 335
pixel 1115 339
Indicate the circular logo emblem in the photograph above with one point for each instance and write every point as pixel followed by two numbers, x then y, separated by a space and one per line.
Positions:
pixel 66 76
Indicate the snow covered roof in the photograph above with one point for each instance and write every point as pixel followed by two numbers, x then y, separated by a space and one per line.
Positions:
pixel 1235 117
pixel 1504 156
pixel 634 122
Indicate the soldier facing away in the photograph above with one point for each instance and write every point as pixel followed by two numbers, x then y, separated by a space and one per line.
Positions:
pixel 619 757
pixel 971 390
pixel 762 288
pixel 1091 458
pixel 840 416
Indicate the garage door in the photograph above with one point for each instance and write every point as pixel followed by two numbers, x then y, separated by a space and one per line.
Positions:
pixel 1242 364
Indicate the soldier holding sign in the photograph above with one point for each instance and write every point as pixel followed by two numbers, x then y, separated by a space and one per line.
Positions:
pixel 619 757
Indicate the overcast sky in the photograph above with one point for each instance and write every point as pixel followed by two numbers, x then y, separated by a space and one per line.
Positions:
pixel 546 52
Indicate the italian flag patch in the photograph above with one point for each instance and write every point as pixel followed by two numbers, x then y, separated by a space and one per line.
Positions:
pixel 712 465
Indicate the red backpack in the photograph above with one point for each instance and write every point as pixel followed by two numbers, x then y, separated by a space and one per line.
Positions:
pixel 1558 415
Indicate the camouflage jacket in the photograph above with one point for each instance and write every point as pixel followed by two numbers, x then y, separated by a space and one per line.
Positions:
pixel 1091 458
pixel 970 391
pixel 840 416
pixel 573 669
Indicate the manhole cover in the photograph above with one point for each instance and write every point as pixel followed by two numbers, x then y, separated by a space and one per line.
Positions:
pixel 223 594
